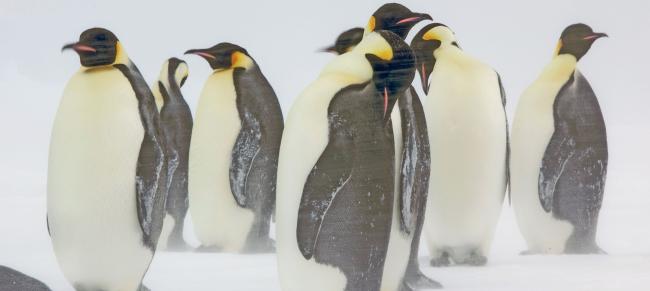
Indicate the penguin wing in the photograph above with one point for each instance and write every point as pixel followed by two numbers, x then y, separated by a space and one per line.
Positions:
pixel 331 172
pixel 415 160
pixel 577 151
pixel 505 114
pixel 247 147
pixel 151 171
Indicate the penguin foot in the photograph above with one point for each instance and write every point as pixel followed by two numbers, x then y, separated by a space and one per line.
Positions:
pixel 181 246
pixel 421 281
pixel 476 260
pixel 262 246
pixel 208 249
pixel 143 288
pixel 528 253
pixel 441 261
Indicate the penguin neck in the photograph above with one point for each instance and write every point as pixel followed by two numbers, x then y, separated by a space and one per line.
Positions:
pixel 560 69
pixel 352 66
pixel 452 52
pixel 121 58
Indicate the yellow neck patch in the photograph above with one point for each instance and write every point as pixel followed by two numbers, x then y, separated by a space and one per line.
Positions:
pixel 240 60
pixel 558 48
pixel 120 54
pixel 371 24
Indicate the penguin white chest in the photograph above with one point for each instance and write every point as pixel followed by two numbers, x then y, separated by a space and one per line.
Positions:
pixel 92 212
pixel 218 219
pixel 467 134
pixel 532 129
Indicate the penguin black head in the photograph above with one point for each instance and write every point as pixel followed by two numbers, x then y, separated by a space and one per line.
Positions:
pixel 425 42
pixel 393 69
pixel 96 47
pixel 395 18
pixel 346 41
pixel 577 39
pixel 224 56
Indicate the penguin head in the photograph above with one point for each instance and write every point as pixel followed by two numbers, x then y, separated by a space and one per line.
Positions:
pixel 174 71
pixel 346 41
pixel 97 47
pixel 576 40
pixel 425 42
pixel 224 56
pixel 393 66
pixel 395 18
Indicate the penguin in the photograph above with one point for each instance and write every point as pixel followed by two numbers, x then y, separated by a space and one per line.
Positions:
pixel 336 170
pixel 412 162
pixel 176 122
pixel 559 154
pixel 468 136
pixel 346 41
pixel 107 170
pixel 11 279
pixel 234 154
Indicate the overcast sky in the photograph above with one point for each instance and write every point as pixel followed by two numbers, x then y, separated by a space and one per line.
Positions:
pixel 516 37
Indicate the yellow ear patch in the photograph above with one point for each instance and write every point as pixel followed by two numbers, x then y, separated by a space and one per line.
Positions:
pixel 431 35
pixel 371 24
pixel 385 54
pixel 240 60
pixel 558 48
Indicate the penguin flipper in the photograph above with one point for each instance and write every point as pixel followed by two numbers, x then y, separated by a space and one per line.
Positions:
pixel 247 146
pixel 151 171
pixel 503 101
pixel 415 160
pixel 330 174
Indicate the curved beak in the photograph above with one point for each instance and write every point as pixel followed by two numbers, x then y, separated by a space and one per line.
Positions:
pixel 595 36
pixel 79 48
pixel 201 52
pixel 415 18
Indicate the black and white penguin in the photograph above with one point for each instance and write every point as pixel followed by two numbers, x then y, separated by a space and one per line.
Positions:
pixel 559 154
pixel 468 136
pixel 12 280
pixel 346 41
pixel 234 153
pixel 412 168
pixel 336 171
pixel 107 172
pixel 176 121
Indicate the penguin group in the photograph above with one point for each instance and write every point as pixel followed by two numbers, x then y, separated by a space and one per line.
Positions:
pixel 362 166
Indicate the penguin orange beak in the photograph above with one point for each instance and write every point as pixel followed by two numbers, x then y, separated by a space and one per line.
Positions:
pixel 417 17
pixel 596 35
pixel 201 52
pixel 79 48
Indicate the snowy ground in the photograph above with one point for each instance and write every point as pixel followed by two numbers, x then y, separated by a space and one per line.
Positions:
pixel 25 246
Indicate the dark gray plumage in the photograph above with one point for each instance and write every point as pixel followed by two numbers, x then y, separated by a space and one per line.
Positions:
pixel 12 280
pixel 254 165
pixel 176 120
pixel 572 176
pixel 151 171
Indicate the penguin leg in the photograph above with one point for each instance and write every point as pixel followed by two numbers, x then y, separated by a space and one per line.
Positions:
pixel 441 260
pixel 583 241
pixel 258 240
pixel 476 259
pixel 176 243
pixel 143 288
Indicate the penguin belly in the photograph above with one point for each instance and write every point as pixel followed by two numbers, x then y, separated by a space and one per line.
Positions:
pixel 531 132
pixel 467 134
pixel 218 220
pixel 91 203
pixel 304 138
pixel 399 245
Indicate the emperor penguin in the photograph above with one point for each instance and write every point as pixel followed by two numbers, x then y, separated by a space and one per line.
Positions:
pixel 412 167
pixel 107 170
pixel 336 170
pixel 468 136
pixel 559 153
pixel 176 121
pixel 234 154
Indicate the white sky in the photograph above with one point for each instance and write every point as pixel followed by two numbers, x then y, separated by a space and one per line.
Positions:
pixel 516 37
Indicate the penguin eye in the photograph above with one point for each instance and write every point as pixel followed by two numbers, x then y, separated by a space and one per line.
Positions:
pixel 100 37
